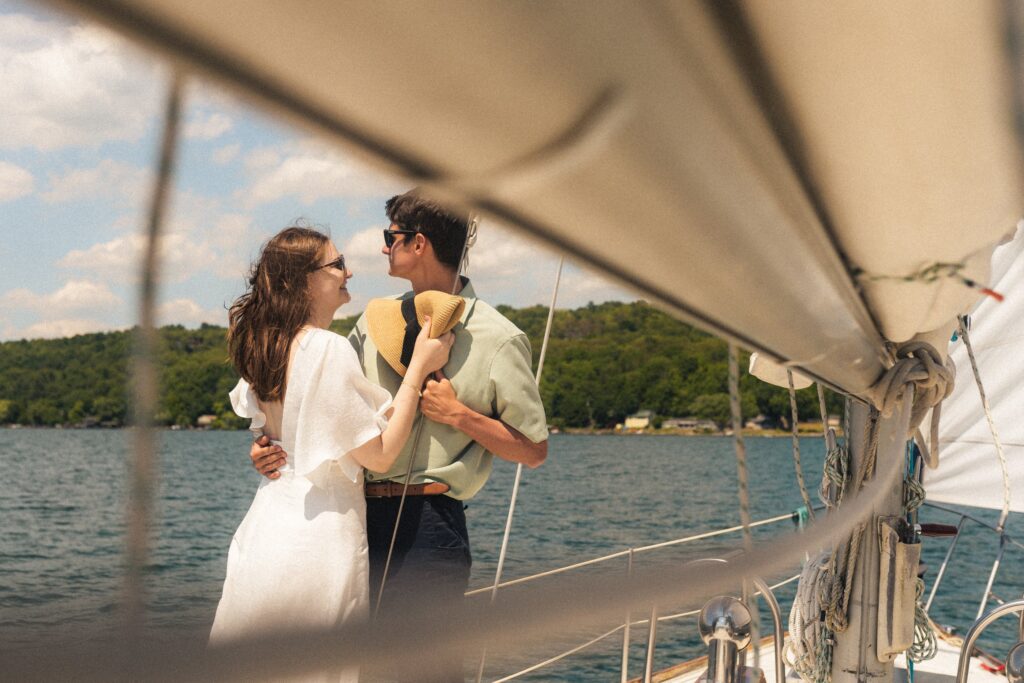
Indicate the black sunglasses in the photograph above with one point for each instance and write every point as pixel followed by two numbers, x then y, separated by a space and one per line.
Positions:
pixel 389 235
pixel 338 263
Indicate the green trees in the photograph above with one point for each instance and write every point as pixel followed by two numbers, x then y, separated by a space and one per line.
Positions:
pixel 604 362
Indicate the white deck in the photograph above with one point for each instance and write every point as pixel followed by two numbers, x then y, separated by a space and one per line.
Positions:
pixel 940 669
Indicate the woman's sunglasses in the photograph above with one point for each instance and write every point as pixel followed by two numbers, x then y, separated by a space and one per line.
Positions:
pixel 338 263
pixel 390 235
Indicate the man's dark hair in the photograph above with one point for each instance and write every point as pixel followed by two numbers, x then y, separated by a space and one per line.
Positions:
pixel 446 229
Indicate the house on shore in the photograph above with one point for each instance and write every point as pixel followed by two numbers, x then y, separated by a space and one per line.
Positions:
pixel 639 420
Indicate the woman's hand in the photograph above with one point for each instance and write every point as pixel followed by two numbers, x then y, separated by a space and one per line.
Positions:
pixel 430 354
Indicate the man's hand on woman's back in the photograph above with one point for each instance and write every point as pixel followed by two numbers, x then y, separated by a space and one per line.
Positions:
pixel 266 457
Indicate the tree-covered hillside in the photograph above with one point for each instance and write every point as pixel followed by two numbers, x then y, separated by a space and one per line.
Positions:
pixel 604 362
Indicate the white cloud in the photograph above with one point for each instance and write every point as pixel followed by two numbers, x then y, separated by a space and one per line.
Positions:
pixel 225 155
pixel 208 126
pixel 66 85
pixel 362 251
pixel 75 296
pixel 261 159
pixel 108 179
pixel 15 182
pixel 53 329
pixel 188 312
pixel 310 171
pixel 120 259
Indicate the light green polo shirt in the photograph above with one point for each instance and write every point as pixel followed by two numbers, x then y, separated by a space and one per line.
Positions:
pixel 490 371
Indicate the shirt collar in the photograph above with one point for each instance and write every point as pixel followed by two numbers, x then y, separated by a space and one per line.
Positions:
pixel 467 292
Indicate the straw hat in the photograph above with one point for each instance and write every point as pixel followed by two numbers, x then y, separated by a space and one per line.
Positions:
pixel 393 324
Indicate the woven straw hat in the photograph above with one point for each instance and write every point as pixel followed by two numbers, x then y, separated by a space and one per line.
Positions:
pixel 393 324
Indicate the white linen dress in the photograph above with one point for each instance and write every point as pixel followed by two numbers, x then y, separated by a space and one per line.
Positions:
pixel 299 557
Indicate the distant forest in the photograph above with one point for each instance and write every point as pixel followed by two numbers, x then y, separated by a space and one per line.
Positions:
pixel 604 362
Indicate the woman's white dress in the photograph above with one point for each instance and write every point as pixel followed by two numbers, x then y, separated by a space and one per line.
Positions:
pixel 299 558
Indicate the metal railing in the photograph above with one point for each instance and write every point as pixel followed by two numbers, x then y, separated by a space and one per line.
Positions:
pixel 976 630
pixel 1005 540
pixel 652 621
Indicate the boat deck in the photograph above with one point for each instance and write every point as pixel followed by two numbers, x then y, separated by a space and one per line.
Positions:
pixel 940 669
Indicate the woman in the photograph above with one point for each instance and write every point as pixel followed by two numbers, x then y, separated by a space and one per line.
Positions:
pixel 299 558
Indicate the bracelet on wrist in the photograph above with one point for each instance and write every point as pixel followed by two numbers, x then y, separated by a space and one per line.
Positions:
pixel 413 387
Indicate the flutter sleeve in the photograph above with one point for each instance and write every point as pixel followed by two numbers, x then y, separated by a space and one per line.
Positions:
pixel 244 403
pixel 341 410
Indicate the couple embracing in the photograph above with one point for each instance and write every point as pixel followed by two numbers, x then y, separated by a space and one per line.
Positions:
pixel 336 415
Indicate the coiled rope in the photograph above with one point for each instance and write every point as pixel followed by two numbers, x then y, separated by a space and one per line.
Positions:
pixel 823 597
pixel 991 425
pixel 924 645
pixel 794 419
pixel 836 467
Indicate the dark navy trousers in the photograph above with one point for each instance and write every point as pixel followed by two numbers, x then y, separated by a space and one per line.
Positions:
pixel 430 564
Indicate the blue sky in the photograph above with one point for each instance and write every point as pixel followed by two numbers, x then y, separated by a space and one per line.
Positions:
pixel 77 146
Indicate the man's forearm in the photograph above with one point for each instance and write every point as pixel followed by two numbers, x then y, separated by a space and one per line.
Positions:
pixel 504 441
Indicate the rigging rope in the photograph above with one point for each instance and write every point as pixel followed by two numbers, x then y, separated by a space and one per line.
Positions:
pixel 924 645
pixel 456 287
pixel 833 473
pixel 519 466
pixel 144 466
pixel 823 597
pixel 741 448
pixel 794 418
pixel 743 488
pixel 991 425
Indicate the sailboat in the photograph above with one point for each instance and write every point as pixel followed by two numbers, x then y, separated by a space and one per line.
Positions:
pixel 822 183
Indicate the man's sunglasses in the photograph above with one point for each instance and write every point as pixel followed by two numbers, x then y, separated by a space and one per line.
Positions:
pixel 338 263
pixel 390 235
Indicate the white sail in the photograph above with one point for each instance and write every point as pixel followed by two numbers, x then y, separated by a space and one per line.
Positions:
pixel 969 472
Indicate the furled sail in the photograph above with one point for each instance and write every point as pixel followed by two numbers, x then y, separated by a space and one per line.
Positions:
pixel 802 178
pixel 969 471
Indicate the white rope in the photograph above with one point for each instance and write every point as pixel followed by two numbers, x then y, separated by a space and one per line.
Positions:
pixel 823 597
pixel 925 645
pixel 991 425
pixel 743 486
pixel 794 419
pixel 144 466
pixel 519 467
pixel 741 449
pixel 470 240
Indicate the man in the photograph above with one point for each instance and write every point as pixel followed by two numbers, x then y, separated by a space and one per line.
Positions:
pixel 484 403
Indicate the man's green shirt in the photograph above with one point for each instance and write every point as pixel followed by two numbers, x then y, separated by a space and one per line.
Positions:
pixel 489 368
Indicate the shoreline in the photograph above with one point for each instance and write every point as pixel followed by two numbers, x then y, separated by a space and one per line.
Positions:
pixel 573 431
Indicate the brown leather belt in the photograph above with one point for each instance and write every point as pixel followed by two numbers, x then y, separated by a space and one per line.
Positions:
pixel 391 489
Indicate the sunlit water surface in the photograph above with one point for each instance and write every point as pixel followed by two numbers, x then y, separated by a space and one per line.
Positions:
pixel 63 507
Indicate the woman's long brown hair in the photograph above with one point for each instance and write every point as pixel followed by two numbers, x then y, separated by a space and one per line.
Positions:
pixel 264 320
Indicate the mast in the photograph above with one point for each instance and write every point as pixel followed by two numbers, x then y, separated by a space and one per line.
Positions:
pixel 855 655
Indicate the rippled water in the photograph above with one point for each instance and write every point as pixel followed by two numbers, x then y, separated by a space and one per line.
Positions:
pixel 62 506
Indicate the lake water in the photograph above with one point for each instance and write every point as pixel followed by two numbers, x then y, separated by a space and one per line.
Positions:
pixel 62 506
